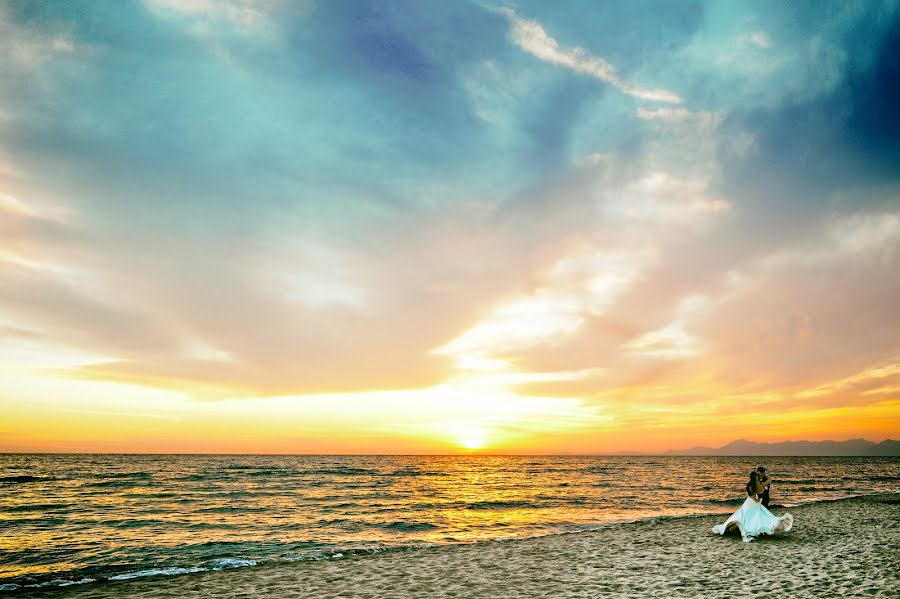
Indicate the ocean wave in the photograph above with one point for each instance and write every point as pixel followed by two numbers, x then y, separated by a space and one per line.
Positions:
pixel 42 521
pixel 163 495
pixel 409 526
pixel 271 473
pixel 56 582
pixel 139 475
pixel 229 563
pixel 726 501
pixel 500 505
pixel 22 479
pixel 215 565
pixel 37 507
pixel 193 477
pixel 414 472
pixel 236 509
pixel 341 506
pixel 600 469
pixel 340 471
pixel 131 523
pixel 157 572
pixel 218 525
pixel 333 521
pixel 118 483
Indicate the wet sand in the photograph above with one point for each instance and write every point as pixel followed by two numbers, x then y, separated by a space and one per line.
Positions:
pixel 840 548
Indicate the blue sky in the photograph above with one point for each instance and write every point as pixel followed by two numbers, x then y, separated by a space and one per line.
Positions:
pixel 634 207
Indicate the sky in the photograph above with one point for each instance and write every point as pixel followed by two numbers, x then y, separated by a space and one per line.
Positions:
pixel 255 226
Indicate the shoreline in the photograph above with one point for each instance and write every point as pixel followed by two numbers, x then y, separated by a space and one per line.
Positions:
pixel 664 554
pixel 726 507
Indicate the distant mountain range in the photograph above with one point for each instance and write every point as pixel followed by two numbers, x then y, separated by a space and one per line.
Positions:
pixel 853 447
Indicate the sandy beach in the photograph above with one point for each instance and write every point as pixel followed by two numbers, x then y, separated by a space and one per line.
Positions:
pixel 839 548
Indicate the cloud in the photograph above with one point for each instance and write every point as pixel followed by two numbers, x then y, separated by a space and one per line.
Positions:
pixel 877 375
pixel 244 16
pixel 531 37
pixel 700 122
pixel 290 316
pixel 831 137
pixel 759 39
pixel 27 49
pixel 671 341
pixel 392 197
pixel 566 318
pixel 778 324
pixel 667 114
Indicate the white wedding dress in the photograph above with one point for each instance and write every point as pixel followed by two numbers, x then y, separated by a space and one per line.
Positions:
pixel 753 519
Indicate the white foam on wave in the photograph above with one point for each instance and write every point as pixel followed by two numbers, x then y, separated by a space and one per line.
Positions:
pixel 233 563
pixel 158 572
pixel 56 582
pixel 65 583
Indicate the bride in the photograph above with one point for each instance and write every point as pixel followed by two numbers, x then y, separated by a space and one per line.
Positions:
pixel 752 518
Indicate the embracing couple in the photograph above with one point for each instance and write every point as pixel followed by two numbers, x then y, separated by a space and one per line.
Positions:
pixel 753 518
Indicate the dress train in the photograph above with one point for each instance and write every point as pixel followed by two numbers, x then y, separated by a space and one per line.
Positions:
pixel 753 520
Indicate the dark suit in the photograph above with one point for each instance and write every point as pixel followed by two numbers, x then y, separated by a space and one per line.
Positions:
pixel 764 496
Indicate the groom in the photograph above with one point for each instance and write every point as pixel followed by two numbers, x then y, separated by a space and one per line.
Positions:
pixel 764 479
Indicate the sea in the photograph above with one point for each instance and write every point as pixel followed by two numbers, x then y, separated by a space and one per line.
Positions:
pixel 80 519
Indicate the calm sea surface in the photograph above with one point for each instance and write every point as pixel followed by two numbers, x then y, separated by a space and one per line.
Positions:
pixel 81 518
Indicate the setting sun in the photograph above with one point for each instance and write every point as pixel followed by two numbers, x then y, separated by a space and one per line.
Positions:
pixel 473 438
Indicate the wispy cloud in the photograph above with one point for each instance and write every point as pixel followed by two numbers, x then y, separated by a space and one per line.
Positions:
pixel 245 16
pixel 758 38
pixel 579 284
pixel 876 374
pixel 671 341
pixel 531 37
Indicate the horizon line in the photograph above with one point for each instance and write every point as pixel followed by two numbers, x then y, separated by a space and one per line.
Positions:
pixel 475 453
